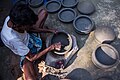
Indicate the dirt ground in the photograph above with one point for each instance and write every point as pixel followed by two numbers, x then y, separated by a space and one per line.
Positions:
pixel 106 14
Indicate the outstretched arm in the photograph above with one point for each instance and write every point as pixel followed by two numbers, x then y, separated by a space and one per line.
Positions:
pixel 38 30
pixel 32 58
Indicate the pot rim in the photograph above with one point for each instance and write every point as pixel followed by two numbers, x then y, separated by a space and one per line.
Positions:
pixel 87 17
pixel 52 2
pixel 48 42
pixel 84 12
pixel 104 40
pixel 100 65
pixel 64 9
pixel 35 5
pixel 73 5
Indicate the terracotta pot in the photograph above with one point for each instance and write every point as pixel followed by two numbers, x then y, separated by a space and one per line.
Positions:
pixel 105 56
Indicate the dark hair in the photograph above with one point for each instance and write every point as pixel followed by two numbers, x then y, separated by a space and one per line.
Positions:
pixel 22 15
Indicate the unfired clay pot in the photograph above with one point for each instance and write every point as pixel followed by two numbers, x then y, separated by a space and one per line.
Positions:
pixel 104 34
pixel 53 6
pixel 86 7
pixel 105 56
pixel 67 15
pixel 69 3
pixel 64 38
pixel 83 24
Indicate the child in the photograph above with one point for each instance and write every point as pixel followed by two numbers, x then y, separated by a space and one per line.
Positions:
pixel 15 36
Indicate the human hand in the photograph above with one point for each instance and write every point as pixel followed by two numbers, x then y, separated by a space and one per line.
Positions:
pixel 55 31
pixel 56 46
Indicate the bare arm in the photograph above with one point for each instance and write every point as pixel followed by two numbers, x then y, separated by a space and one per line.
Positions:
pixel 38 55
pixel 38 30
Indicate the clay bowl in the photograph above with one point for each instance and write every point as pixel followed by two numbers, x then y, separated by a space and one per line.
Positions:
pixel 83 24
pixel 104 34
pixel 86 7
pixel 65 39
pixel 53 6
pixel 35 3
pixel 69 3
pixel 105 56
pixel 67 15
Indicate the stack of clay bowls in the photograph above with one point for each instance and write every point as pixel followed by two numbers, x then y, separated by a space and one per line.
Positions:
pixel 105 56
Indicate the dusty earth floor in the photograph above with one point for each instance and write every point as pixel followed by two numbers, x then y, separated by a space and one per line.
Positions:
pixel 106 14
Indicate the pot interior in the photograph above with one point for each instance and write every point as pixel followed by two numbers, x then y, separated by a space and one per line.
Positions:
pixel 105 55
pixel 83 24
pixel 61 37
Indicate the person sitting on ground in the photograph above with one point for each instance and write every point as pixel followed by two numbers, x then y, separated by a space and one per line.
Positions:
pixel 18 34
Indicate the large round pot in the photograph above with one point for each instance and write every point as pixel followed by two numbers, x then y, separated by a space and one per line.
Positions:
pixel 105 56
pixel 104 34
pixel 53 6
pixel 83 24
pixel 86 7
pixel 64 38
pixel 67 15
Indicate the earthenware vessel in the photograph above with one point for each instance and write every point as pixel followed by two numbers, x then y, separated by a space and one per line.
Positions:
pixel 86 7
pixel 67 15
pixel 104 34
pixel 83 24
pixel 105 56
pixel 53 6
pixel 69 3
pixel 64 38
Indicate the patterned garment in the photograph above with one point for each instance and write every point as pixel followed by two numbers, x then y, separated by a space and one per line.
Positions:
pixel 35 44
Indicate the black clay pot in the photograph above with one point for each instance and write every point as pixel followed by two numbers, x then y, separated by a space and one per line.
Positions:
pixel 64 38
pixel 53 6
pixel 86 7
pixel 83 24
pixel 69 3
pixel 67 15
